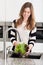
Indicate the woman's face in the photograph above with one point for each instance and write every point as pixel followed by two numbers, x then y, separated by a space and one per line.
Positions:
pixel 26 13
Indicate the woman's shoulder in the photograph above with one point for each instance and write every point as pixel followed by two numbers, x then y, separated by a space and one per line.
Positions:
pixel 34 29
pixel 15 20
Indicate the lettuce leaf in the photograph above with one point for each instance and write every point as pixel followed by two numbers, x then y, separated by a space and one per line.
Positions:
pixel 20 48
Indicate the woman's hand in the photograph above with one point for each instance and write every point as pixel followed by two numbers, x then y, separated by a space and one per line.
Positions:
pixel 29 49
pixel 27 53
pixel 15 43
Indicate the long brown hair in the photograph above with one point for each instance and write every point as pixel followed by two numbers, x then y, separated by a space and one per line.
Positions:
pixel 31 20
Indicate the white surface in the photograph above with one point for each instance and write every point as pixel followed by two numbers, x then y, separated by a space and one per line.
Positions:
pixel 38 47
pixel 1 46
pixel 2 10
pixel 9 9
pixel 38 61
pixel 13 7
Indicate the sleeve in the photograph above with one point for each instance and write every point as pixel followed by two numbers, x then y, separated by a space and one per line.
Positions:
pixel 32 36
pixel 13 34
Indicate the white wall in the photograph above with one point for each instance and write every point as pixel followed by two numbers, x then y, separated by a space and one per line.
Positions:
pixel 13 8
pixel 9 9
pixel 2 10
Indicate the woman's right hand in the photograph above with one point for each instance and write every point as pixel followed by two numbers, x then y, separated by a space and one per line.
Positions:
pixel 15 43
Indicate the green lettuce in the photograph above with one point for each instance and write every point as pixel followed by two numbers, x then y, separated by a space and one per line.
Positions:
pixel 21 48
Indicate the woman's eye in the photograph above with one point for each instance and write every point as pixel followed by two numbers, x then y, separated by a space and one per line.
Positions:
pixel 28 12
pixel 25 11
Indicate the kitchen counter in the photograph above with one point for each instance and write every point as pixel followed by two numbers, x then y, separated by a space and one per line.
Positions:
pixel 20 61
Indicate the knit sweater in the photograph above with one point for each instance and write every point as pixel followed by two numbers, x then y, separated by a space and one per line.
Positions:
pixel 26 36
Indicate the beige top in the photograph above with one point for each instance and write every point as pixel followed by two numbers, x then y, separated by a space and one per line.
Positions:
pixel 23 32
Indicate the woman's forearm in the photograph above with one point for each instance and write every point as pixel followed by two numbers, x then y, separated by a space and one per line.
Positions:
pixel 30 47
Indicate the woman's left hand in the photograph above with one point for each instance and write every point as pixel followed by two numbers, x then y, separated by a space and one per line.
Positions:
pixel 27 53
pixel 29 50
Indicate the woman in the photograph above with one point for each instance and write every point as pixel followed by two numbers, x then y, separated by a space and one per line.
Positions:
pixel 26 26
